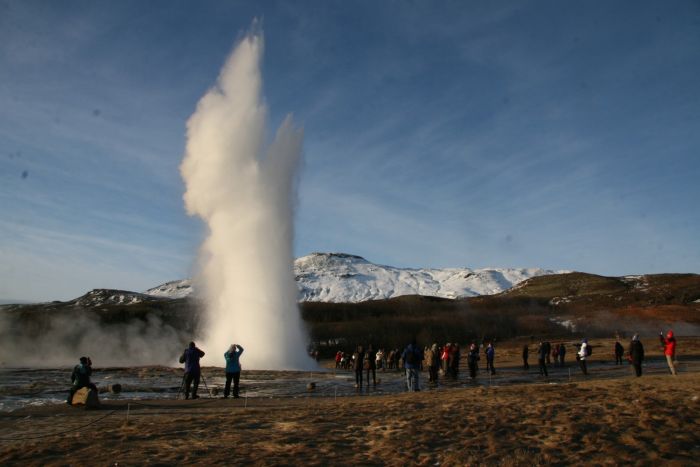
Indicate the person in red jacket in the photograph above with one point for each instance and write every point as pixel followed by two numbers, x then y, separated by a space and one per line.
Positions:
pixel 669 343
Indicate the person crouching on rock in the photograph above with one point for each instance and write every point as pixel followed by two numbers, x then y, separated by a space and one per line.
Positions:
pixel 190 357
pixel 233 369
pixel 81 377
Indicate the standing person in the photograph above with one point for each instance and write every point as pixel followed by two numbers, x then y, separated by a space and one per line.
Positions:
pixel 80 377
pixel 380 359
pixel 428 354
pixel 433 358
pixel 542 359
pixel 390 360
pixel 358 359
pixel 490 354
pixel 555 355
pixel 371 358
pixel 619 352
pixel 473 360
pixel 338 358
pixel 562 354
pixel 669 343
pixel 445 358
pixel 455 357
pixel 583 353
pixel 526 353
pixel 190 357
pixel 637 354
pixel 233 369
pixel 451 361
pixel 412 357
pixel 548 349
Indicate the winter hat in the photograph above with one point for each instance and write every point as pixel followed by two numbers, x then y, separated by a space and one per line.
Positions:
pixel 669 334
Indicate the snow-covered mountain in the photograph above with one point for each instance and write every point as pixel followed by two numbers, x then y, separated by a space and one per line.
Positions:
pixel 172 289
pixel 343 278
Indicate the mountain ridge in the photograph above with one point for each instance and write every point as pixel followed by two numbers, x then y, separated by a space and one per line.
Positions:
pixel 348 278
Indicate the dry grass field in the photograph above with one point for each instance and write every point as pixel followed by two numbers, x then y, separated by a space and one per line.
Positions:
pixel 609 418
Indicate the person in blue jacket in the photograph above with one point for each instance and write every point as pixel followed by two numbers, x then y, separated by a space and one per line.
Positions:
pixel 490 354
pixel 233 369
pixel 190 357
pixel 412 358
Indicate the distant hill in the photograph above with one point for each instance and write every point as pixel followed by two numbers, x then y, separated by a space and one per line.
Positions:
pixel 573 304
pixel 121 326
pixel 581 288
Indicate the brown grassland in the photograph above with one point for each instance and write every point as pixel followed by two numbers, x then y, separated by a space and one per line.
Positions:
pixel 608 418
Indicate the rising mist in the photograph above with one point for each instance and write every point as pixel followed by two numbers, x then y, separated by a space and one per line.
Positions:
pixel 244 190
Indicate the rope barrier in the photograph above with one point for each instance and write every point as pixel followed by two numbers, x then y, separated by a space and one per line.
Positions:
pixel 179 406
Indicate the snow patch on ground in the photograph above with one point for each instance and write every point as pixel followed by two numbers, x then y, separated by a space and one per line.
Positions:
pixel 556 301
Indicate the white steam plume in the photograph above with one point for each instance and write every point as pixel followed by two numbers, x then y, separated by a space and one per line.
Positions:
pixel 245 191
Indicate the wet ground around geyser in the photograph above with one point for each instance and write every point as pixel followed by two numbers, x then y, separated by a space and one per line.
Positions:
pixel 23 387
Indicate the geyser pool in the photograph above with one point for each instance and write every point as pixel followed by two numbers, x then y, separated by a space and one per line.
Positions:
pixel 244 190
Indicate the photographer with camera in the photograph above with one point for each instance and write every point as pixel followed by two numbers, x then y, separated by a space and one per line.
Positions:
pixel 190 357
pixel 233 369
pixel 81 378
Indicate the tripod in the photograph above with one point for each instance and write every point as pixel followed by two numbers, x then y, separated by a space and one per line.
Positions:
pixel 204 380
pixel 183 386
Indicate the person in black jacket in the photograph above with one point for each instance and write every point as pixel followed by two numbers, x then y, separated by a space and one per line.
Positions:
pixel 358 359
pixel 473 360
pixel 637 354
pixel 542 352
pixel 619 352
pixel 562 354
pixel 190 357
pixel 81 377
pixel 371 364
pixel 526 353
pixel 547 346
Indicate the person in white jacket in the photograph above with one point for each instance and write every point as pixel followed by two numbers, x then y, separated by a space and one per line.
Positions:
pixel 582 355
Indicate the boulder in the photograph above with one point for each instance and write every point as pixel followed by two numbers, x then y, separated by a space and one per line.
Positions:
pixel 86 397
pixel 115 388
pixel 311 386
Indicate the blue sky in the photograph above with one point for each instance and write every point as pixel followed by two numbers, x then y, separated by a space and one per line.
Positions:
pixel 562 135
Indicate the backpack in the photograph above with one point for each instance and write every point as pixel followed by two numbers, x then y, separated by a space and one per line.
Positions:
pixel 411 357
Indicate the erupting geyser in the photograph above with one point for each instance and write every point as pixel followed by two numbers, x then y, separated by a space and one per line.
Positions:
pixel 244 189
